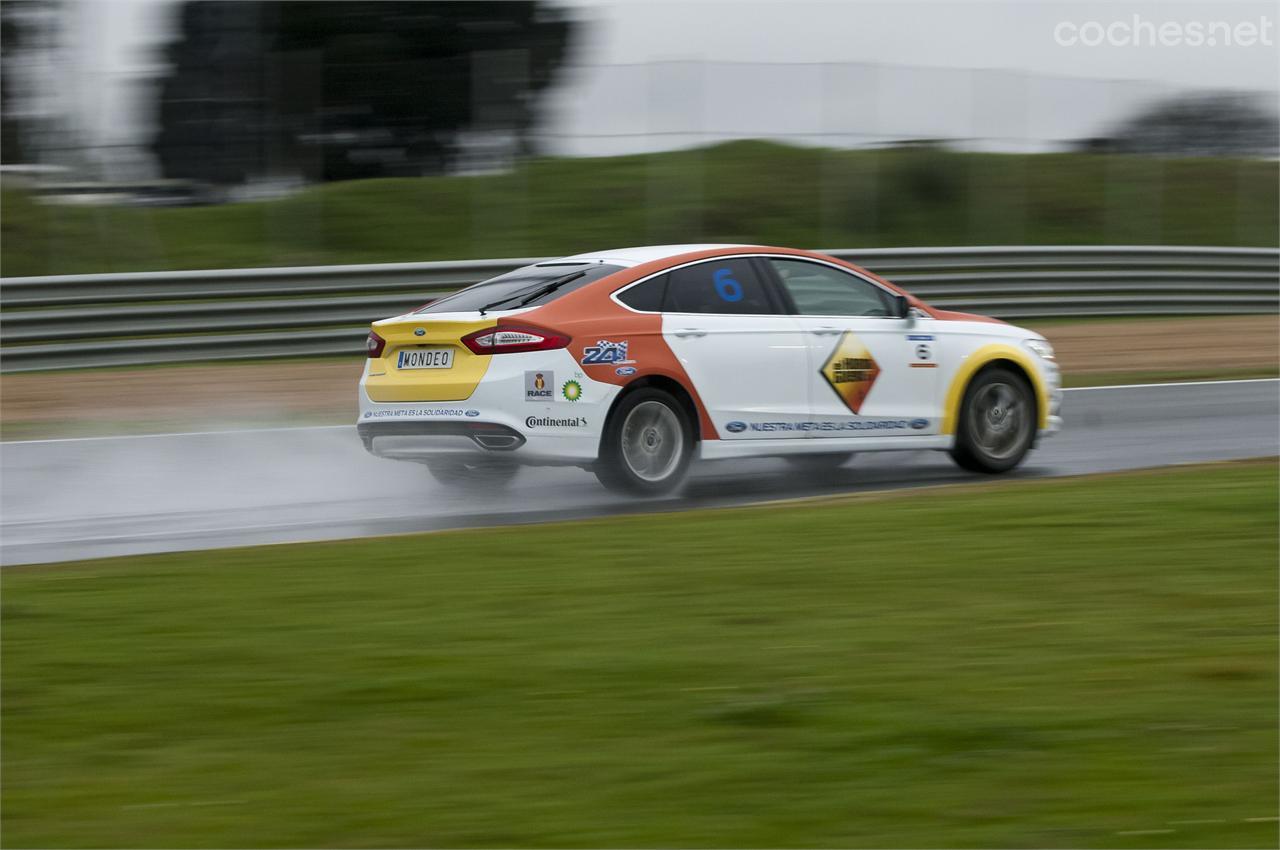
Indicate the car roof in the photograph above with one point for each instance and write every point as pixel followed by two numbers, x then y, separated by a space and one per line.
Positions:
pixel 628 257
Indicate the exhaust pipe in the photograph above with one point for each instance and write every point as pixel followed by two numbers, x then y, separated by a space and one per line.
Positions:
pixel 497 442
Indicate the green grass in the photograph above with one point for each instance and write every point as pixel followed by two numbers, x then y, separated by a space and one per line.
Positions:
pixel 1165 376
pixel 735 192
pixel 1021 664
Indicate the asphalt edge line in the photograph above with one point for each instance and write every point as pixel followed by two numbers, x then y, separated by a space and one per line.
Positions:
pixel 282 429
pixel 663 507
pixel 1173 384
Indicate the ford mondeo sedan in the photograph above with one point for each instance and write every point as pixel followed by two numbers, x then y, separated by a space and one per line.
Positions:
pixel 634 362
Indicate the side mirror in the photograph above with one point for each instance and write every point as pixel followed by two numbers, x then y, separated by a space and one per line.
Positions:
pixel 901 307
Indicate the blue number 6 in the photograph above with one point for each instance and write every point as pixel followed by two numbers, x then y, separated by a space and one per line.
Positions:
pixel 726 287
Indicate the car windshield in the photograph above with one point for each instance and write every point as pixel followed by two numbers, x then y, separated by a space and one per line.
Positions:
pixel 505 292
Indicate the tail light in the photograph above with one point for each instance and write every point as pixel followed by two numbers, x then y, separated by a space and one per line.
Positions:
pixel 510 339
pixel 374 345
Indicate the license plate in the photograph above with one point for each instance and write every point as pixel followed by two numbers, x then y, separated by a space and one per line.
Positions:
pixel 425 358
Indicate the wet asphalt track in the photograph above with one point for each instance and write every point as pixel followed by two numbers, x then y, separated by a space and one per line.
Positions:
pixel 88 498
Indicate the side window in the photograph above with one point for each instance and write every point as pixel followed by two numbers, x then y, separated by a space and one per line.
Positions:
pixel 819 290
pixel 647 296
pixel 718 286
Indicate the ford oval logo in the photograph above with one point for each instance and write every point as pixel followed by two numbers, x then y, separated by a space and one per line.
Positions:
pixel 419 331
pixel 625 370
pixel 473 413
pixel 735 427
pixel 919 424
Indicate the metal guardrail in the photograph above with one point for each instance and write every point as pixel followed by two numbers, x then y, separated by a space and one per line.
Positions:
pixel 75 321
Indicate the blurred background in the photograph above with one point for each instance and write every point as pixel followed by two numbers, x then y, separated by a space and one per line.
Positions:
pixel 195 134
pixel 1065 659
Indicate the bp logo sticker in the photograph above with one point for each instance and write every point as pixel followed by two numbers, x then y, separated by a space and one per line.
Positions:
pixel 572 390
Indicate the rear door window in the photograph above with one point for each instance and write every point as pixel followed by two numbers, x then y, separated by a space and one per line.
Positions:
pixel 727 286
pixel 648 296
pixel 505 292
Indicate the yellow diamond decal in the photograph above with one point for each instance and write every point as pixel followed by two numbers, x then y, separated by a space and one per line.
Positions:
pixel 850 370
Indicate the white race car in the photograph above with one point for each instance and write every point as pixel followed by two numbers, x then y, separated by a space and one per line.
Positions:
pixel 633 362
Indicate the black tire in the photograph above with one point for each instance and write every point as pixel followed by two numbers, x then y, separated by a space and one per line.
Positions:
pixel 996 423
pixel 647 444
pixel 825 462
pixel 473 474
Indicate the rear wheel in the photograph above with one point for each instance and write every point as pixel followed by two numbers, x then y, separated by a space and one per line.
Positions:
pixel 478 474
pixel 647 444
pixel 824 462
pixel 997 422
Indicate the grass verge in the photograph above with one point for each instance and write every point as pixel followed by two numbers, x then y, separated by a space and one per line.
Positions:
pixel 1166 376
pixel 1086 662
pixel 748 191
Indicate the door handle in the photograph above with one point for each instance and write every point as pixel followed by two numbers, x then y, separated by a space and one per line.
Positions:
pixel 826 331
pixel 690 332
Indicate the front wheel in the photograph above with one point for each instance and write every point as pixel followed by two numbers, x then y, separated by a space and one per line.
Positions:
pixel 997 422
pixel 647 444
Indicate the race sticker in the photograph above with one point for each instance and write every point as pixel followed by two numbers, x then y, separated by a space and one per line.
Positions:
pixel 539 386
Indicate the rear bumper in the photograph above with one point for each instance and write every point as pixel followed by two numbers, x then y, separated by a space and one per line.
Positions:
pixel 498 418
pixel 420 440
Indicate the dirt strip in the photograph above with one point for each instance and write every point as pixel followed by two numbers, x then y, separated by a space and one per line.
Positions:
pixel 266 392
pixel 1173 345
pixel 298 392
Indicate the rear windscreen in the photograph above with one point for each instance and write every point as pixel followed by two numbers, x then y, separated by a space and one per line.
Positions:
pixel 508 291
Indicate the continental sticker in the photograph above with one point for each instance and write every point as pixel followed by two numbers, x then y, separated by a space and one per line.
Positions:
pixel 851 371
pixel 553 422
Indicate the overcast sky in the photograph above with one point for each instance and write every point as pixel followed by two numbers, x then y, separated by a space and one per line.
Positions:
pixel 711 88
pixel 1012 34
